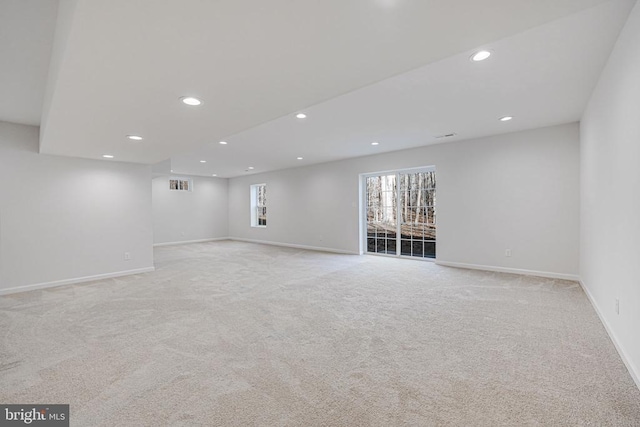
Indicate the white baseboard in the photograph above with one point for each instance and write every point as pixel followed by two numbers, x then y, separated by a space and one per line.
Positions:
pixel 186 242
pixel 74 281
pixel 291 245
pixel 547 274
pixel 633 371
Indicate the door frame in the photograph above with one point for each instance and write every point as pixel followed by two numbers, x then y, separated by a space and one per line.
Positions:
pixel 362 211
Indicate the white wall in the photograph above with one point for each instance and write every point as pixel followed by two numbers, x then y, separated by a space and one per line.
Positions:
pixel 610 194
pixel 63 219
pixel 180 216
pixel 517 191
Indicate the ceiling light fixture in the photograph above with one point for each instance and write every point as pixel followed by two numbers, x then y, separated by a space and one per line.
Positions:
pixel 223 142
pixel 107 156
pixel 480 55
pixel 301 115
pixel 190 100
pixel 215 174
pixel 134 137
pixel 506 118
pixel 250 168
pixel 203 161
pixel 375 143
pixel 299 158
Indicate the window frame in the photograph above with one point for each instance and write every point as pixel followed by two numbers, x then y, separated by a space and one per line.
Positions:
pixel 179 183
pixel 255 205
pixel 424 206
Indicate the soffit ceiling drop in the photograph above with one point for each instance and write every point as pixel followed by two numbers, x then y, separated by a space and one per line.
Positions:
pixel 26 39
pixel 543 76
pixel 120 67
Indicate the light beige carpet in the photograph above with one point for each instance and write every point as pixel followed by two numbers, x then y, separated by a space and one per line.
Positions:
pixel 236 334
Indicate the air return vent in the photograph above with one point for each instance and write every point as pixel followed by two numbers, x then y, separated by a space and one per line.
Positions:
pixel 448 135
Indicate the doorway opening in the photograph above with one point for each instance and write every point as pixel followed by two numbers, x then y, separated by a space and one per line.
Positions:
pixel 399 212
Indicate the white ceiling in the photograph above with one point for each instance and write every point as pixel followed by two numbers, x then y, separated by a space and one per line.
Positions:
pixel 543 76
pixel 26 37
pixel 120 67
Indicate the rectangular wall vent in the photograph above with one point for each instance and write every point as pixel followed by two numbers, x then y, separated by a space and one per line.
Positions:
pixel 448 135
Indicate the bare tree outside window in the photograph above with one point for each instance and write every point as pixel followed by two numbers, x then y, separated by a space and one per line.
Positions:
pixel 262 205
pixel 259 205
pixel 180 184
pixel 401 214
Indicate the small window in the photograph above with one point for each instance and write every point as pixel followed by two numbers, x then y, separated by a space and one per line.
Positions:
pixel 259 205
pixel 180 184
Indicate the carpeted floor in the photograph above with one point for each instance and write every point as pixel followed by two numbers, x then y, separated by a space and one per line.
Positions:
pixel 237 334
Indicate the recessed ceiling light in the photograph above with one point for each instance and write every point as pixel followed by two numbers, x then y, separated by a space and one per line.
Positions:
pixel 215 174
pixel 134 137
pixel 203 161
pixel 375 143
pixel 107 156
pixel 506 118
pixel 190 100
pixel 250 168
pixel 301 115
pixel 171 170
pixel 299 158
pixel 223 142
pixel 480 55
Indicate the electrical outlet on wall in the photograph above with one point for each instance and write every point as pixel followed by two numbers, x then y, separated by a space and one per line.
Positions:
pixel 617 306
pixel 127 256
pixel 507 252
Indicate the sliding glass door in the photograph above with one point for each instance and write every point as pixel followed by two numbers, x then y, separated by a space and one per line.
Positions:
pixel 400 213
pixel 382 210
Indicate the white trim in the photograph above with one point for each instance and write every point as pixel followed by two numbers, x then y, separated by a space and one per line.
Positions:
pixel 430 168
pixel 635 373
pixel 173 177
pixel 186 242
pixel 362 198
pixel 362 215
pixel 291 245
pixel 254 204
pixel 74 281
pixel 412 258
pixel 547 274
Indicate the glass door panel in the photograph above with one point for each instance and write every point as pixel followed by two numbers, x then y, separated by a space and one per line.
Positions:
pixel 381 213
pixel 401 214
